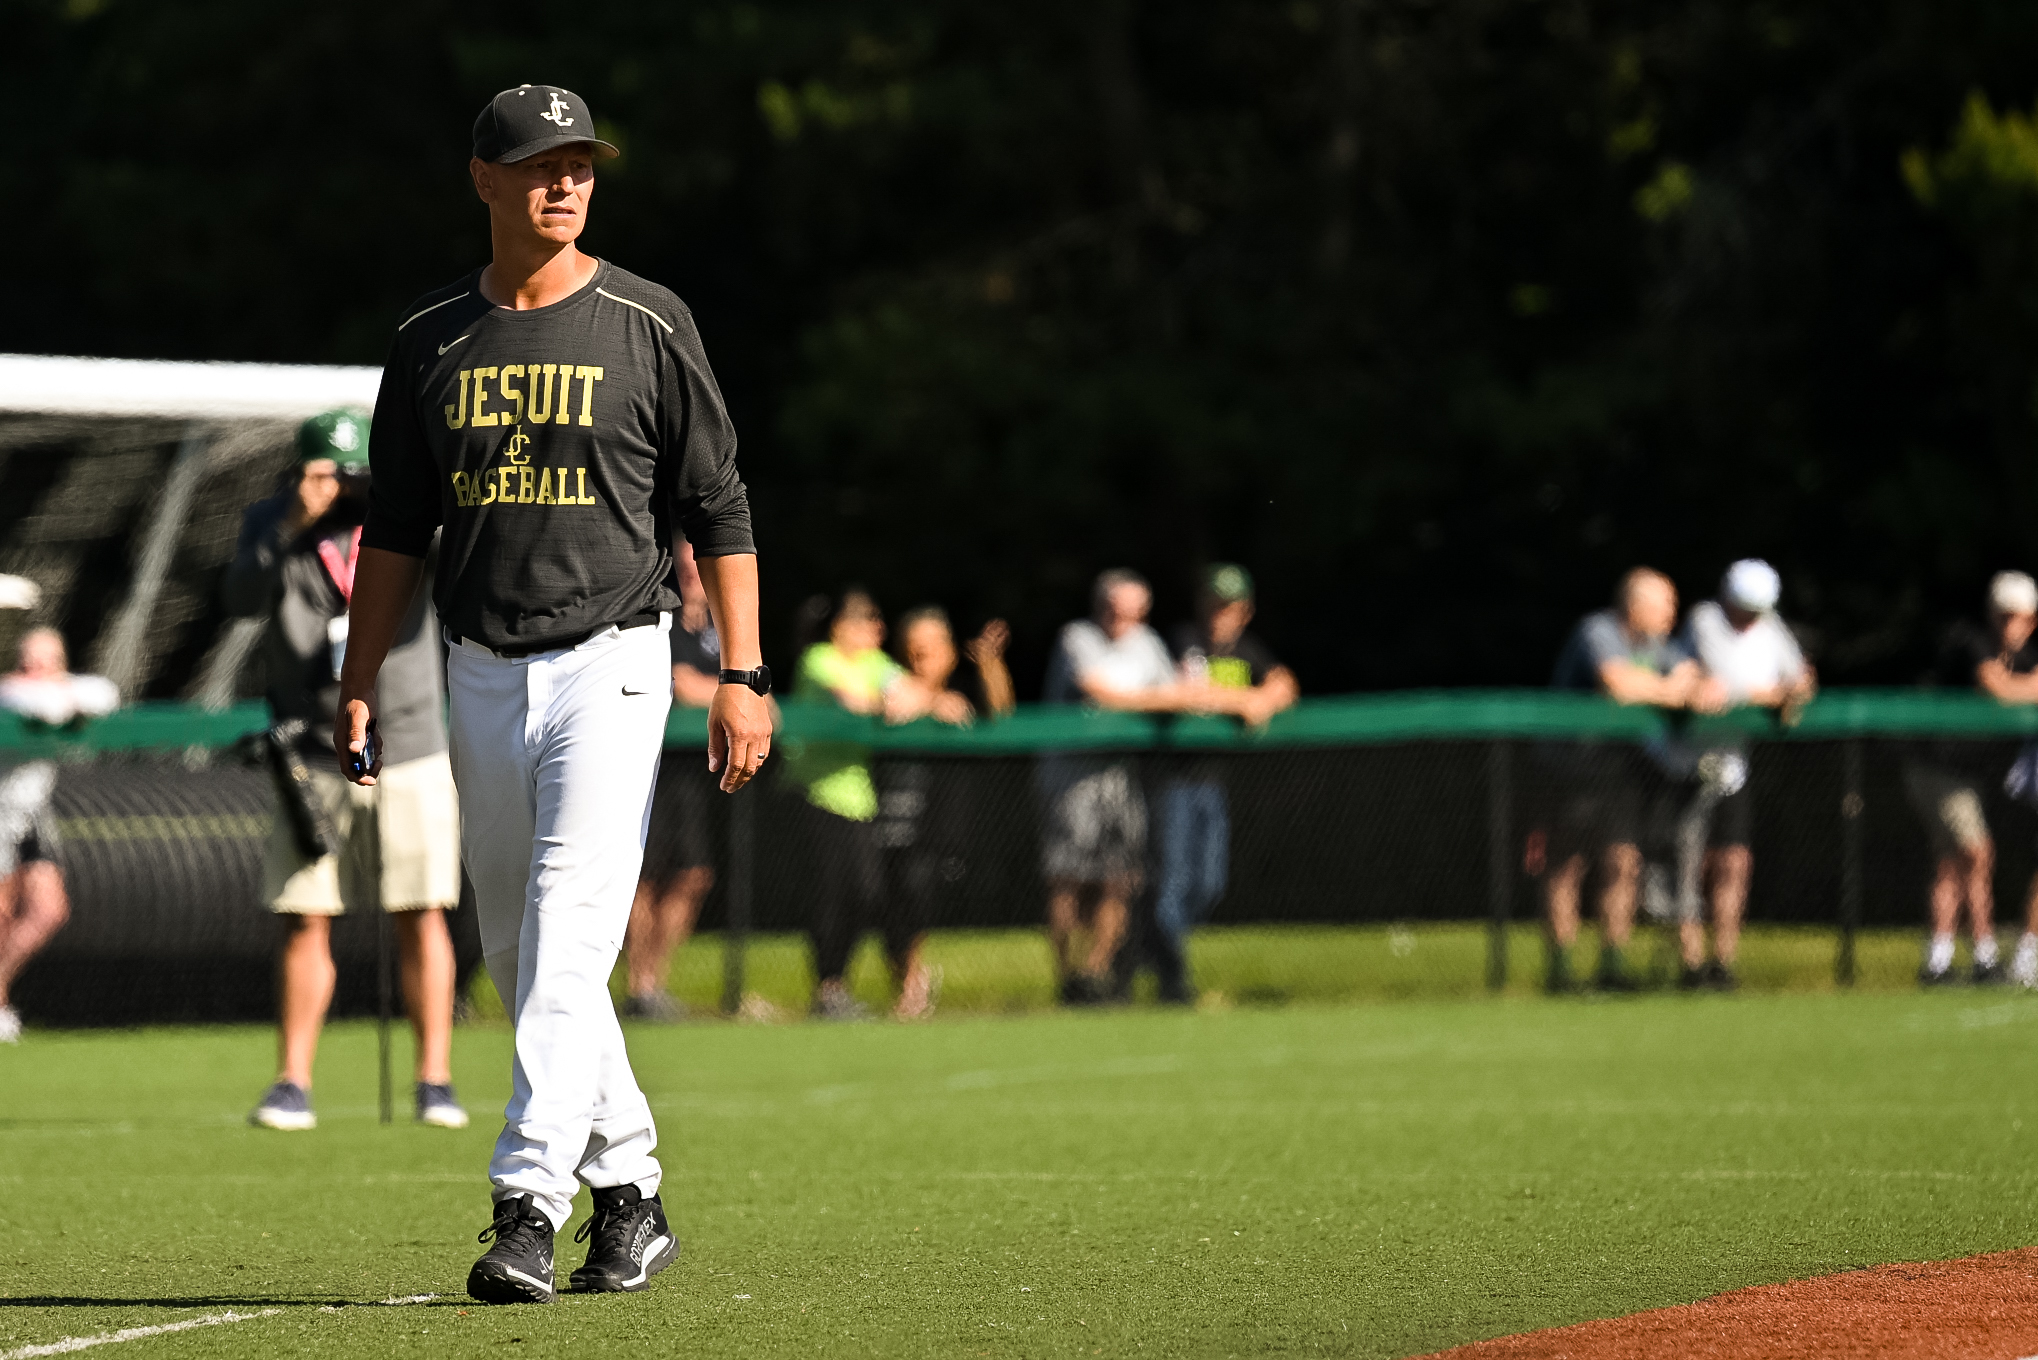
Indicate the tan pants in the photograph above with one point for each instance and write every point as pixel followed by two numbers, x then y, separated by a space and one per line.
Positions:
pixel 406 828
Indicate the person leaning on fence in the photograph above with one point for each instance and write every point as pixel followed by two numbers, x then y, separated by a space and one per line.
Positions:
pixel 679 851
pixel 1945 781
pixel 1094 852
pixel 1750 658
pixel 938 684
pixel 33 902
pixel 922 829
pixel 850 669
pixel 2010 675
pixel 1195 831
pixel 1627 654
pixel 294 564
pixel 42 685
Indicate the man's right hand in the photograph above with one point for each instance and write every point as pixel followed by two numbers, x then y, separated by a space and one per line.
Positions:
pixel 318 486
pixel 350 738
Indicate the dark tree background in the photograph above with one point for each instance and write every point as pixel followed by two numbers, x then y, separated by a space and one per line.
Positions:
pixel 1437 313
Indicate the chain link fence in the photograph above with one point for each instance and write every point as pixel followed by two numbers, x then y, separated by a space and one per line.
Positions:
pixel 1386 845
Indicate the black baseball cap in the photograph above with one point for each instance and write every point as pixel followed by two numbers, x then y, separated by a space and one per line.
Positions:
pixel 518 124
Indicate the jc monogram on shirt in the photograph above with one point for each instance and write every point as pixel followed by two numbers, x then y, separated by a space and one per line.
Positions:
pixel 516 482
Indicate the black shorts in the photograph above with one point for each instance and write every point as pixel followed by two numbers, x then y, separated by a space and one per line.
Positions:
pixel 1733 819
pixel 1598 796
pixel 685 818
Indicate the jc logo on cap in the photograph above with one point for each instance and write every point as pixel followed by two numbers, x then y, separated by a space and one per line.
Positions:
pixel 556 114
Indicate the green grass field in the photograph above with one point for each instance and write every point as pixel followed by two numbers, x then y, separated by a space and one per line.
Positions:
pixel 1360 1180
pixel 1011 971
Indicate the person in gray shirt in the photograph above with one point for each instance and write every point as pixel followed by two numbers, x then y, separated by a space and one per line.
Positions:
pixel 294 565
pixel 1094 849
pixel 1626 653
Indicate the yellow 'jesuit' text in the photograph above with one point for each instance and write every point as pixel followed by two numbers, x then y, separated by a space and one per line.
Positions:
pixel 544 380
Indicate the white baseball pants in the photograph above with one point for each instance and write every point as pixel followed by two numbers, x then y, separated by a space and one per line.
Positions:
pixel 555 756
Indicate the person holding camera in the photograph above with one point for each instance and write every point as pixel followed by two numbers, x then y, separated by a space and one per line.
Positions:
pixel 337 846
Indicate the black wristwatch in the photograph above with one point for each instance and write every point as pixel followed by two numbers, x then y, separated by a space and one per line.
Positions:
pixel 758 680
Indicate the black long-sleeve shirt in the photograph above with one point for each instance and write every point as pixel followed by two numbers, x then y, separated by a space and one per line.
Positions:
pixel 559 447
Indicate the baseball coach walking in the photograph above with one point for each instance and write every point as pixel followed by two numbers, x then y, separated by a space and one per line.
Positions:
pixel 555 418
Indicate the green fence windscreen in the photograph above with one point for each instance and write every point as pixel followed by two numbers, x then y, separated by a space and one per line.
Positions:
pixel 1344 812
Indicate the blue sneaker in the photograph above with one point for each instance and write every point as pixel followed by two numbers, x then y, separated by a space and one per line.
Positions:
pixel 286 1106
pixel 437 1105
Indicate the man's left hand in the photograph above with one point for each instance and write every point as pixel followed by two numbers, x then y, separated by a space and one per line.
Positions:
pixel 739 734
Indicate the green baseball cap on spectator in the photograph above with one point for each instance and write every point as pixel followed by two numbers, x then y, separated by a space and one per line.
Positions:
pixel 1228 582
pixel 340 435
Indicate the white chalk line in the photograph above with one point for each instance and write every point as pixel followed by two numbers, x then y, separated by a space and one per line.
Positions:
pixel 79 1343
pixel 405 1301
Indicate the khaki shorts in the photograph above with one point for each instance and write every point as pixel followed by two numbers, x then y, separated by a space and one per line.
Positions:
pixel 1950 808
pixel 417 814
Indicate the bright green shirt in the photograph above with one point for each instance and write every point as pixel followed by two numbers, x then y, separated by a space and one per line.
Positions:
pixel 837 773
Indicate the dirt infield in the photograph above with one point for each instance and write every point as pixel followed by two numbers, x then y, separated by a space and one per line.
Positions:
pixel 1979 1308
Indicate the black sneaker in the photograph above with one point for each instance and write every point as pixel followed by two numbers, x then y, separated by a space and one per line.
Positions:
pixel 632 1242
pixel 1986 974
pixel 1557 981
pixel 1080 989
pixel 1613 975
pixel 1721 977
pixel 1691 979
pixel 518 1268
pixel 1929 976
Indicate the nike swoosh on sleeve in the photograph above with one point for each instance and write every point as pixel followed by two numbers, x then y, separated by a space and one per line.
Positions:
pixel 449 344
pixel 633 693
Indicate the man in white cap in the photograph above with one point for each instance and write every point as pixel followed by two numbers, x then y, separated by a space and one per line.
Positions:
pixel 2013 608
pixel 1945 785
pixel 1750 658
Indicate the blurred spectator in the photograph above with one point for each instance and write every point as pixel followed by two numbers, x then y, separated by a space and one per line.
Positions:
pixel 41 685
pixel 852 670
pixel 347 845
pixel 928 646
pixel 1626 653
pixel 922 822
pixel 1945 782
pixel 1750 658
pixel 679 853
pixel 33 904
pixel 1095 844
pixel 1195 858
